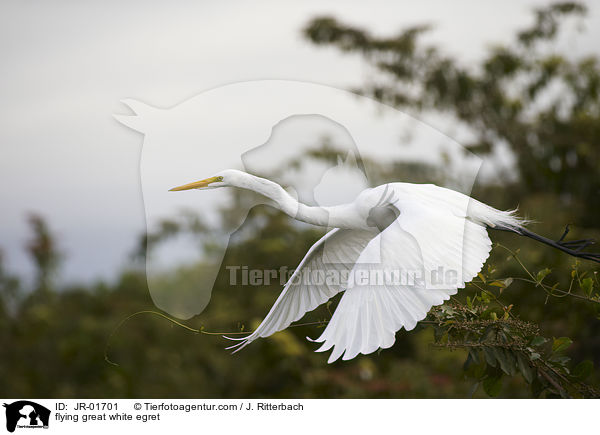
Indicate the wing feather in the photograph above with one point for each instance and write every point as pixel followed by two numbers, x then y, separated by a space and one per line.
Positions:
pixel 337 250
pixel 424 240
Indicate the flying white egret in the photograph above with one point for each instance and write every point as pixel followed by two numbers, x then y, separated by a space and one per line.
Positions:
pixel 396 226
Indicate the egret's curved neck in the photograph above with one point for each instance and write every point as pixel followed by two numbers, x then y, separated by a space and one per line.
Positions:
pixel 341 216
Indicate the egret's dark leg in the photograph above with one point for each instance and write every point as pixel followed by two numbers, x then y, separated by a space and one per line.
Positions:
pixel 573 247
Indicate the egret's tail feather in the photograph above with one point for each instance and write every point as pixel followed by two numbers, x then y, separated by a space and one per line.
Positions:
pixel 510 221
pixel 238 346
pixel 494 218
pixel 236 338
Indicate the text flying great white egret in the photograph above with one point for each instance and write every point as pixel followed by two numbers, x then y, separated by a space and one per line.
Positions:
pixel 395 226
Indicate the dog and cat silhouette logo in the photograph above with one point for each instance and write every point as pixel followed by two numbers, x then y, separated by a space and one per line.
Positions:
pixel 26 414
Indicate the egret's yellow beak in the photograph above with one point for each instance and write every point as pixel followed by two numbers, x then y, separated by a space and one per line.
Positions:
pixel 197 184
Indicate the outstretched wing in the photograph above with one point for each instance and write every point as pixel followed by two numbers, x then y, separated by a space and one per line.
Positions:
pixel 427 254
pixel 337 251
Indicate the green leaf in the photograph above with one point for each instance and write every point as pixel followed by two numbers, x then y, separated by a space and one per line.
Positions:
pixel 583 370
pixel 477 371
pixel 473 389
pixel 475 356
pixel 468 362
pixel 502 283
pixel 492 385
pixel 560 360
pixel 538 341
pixel 526 370
pixel 474 367
pixel 587 285
pixel 489 355
pixel 560 344
pixel 481 277
pixel 542 274
pixel 506 360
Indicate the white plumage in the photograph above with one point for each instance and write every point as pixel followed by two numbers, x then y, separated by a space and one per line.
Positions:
pixel 416 231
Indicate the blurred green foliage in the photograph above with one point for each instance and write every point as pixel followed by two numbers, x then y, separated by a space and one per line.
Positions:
pixel 543 105
pixel 529 325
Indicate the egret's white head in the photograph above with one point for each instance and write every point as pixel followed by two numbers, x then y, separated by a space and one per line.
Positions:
pixel 228 177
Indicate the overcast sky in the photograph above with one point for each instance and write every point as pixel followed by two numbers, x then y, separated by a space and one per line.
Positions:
pixel 66 65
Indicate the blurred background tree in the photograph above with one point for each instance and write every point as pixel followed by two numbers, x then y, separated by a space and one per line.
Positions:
pixel 43 251
pixel 526 100
pixel 540 104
